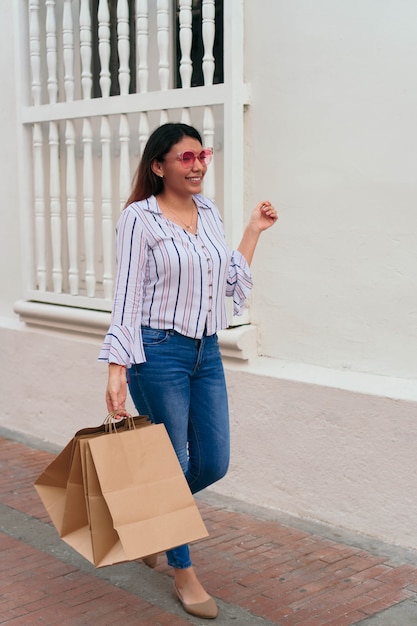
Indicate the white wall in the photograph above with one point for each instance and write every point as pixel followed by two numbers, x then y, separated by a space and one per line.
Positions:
pixel 332 140
pixel 56 385
pixel 338 456
pixel 9 180
pixel 324 423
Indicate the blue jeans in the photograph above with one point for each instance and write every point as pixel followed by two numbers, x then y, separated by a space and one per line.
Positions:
pixel 182 385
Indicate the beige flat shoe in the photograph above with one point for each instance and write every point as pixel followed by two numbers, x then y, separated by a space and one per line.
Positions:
pixel 205 610
pixel 151 560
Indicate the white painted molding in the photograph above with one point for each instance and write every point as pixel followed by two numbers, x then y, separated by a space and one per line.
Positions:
pixel 63 317
pixel 237 343
pixel 132 103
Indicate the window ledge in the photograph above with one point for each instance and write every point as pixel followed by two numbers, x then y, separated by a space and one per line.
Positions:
pixel 238 342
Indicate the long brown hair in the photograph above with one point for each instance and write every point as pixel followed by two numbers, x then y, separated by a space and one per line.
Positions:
pixel 145 182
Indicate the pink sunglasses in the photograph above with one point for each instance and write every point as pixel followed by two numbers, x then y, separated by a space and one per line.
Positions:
pixel 188 157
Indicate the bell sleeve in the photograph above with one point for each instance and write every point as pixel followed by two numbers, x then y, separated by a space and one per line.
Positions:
pixel 239 281
pixel 123 341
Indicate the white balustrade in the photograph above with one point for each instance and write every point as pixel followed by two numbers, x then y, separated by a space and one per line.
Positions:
pixel 80 174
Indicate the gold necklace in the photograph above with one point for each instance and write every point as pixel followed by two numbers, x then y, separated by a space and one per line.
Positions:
pixel 189 227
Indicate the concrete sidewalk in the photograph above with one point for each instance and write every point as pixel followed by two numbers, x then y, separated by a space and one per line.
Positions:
pixel 263 568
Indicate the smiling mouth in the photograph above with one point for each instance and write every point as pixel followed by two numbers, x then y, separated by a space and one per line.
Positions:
pixel 195 179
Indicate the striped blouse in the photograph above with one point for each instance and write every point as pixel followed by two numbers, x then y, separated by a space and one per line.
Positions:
pixel 168 278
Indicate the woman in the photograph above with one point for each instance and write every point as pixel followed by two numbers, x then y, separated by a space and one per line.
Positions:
pixel 174 270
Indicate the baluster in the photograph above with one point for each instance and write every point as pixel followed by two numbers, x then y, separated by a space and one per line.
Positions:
pixel 68 50
pixel 142 42
pixel 87 139
pixel 142 39
pixel 55 207
pixel 72 217
pixel 104 47
pixel 185 116
pixel 143 131
pixel 208 15
pixel 208 134
pixel 106 208
pixel 186 40
pixel 105 138
pixel 123 45
pixel 163 117
pixel 88 189
pixel 124 135
pixel 71 179
pixel 35 51
pixel 40 226
pixel 54 172
pixel 209 29
pixel 163 42
pixel 51 58
pixel 38 174
pixel 85 48
pixel 162 19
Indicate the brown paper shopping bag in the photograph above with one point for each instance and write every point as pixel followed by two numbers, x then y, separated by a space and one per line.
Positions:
pixel 145 490
pixel 62 489
pixel 123 499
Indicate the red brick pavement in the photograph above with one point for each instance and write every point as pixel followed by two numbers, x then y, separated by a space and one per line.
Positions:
pixel 276 572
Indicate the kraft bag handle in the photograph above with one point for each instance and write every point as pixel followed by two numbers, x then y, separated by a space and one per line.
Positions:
pixel 126 422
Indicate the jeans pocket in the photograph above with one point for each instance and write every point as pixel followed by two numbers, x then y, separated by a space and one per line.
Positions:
pixel 154 336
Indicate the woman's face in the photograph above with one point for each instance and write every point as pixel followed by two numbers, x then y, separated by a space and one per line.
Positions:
pixel 182 176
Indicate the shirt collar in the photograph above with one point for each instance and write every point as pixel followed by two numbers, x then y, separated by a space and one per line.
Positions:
pixel 151 204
